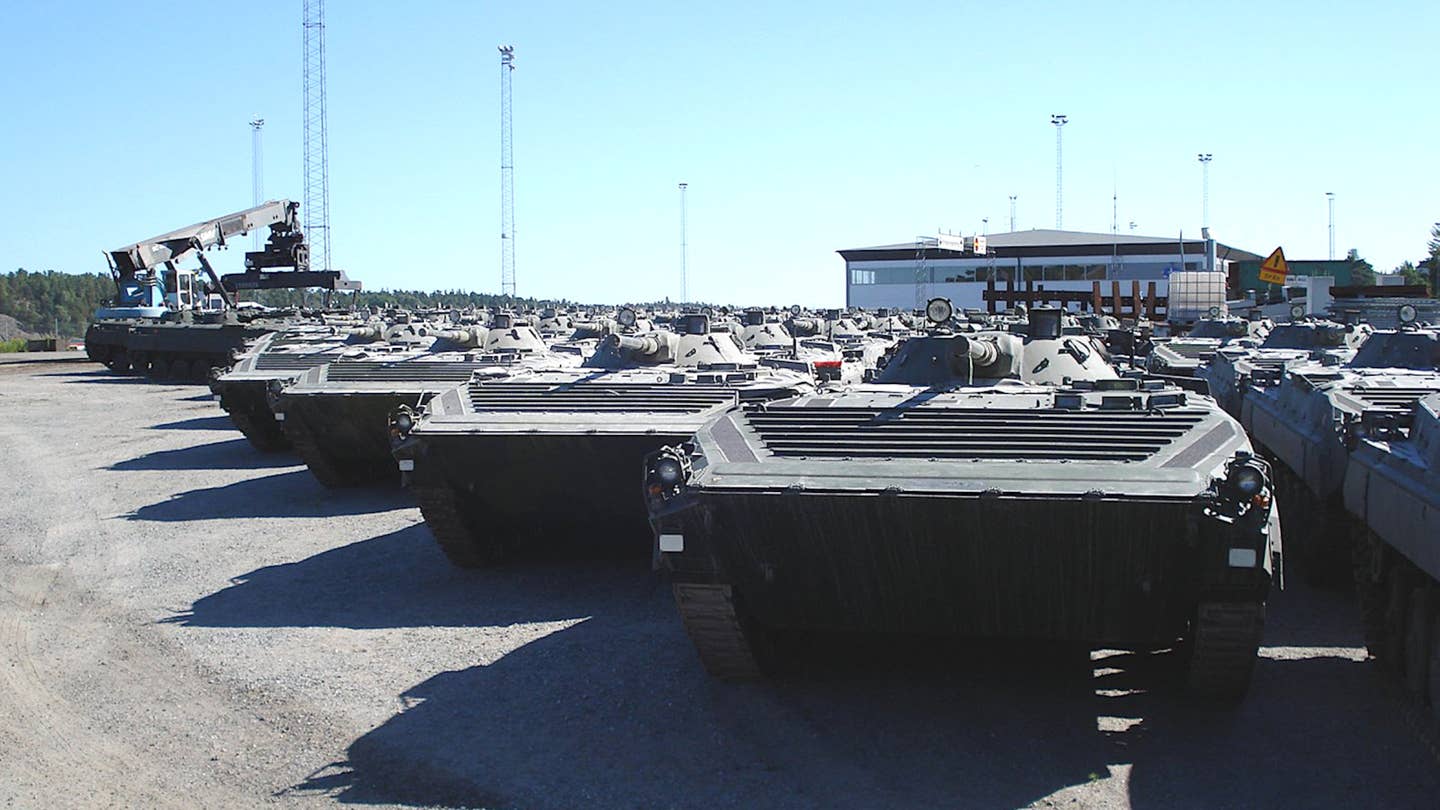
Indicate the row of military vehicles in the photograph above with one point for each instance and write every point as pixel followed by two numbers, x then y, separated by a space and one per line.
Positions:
pixel 940 473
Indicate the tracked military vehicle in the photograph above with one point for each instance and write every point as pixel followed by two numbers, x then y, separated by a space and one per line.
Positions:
pixel 545 461
pixel 1236 367
pixel 985 485
pixel 1392 488
pixel 276 360
pixel 1301 424
pixel 336 414
pixel 168 322
pixel 1182 356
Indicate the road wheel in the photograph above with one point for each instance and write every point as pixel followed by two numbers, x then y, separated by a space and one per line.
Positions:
pixel 1397 609
pixel 118 361
pixel 1418 629
pixel 730 644
pixel 180 370
pixel 1432 670
pixel 1370 589
pixel 140 362
pixel 464 544
pixel 1224 641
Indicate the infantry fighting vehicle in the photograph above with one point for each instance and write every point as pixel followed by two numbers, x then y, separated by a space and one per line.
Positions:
pixel 168 323
pixel 1301 424
pixel 986 485
pixel 276 360
pixel 336 414
pixel 1235 368
pixel 1392 488
pixel 1181 356
pixel 546 461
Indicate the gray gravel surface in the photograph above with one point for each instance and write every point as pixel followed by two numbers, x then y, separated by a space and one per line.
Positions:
pixel 186 622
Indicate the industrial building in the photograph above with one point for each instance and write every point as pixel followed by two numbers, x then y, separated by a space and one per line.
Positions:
pixel 905 274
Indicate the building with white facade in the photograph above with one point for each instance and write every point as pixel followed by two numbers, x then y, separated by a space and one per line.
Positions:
pixel 906 274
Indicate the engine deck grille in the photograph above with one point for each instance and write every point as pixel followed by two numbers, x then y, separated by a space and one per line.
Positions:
pixel 291 362
pixel 598 397
pixel 953 433
pixel 1399 399
pixel 401 371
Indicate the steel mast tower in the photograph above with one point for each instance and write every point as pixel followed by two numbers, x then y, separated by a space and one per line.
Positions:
pixel 507 176
pixel 1059 121
pixel 317 162
pixel 257 170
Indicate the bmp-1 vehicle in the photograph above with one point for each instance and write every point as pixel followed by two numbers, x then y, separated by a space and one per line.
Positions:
pixel 545 461
pixel 336 414
pixel 985 485
pixel 1301 423
pixel 1392 488
pixel 276 360
pixel 1235 368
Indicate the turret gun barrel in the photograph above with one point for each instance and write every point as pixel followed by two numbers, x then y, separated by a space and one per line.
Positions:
pixel 637 344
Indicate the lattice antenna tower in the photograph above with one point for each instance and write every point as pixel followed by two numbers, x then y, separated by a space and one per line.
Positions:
pixel 317 162
pixel 507 176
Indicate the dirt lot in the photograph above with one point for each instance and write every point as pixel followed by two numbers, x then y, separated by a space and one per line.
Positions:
pixel 185 622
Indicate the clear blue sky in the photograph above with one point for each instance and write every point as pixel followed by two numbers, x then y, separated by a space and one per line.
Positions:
pixel 801 129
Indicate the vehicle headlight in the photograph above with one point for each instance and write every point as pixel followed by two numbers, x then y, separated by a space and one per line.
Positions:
pixel 402 421
pixel 1247 480
pixel 668 471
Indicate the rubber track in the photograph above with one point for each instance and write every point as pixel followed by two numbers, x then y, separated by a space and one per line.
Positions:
pixel 715 627
pixel 462 546
pixel 265 438
pixel 321 465
pixel 1225 641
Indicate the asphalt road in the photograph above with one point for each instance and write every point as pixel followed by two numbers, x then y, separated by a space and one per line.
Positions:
pixel 185 622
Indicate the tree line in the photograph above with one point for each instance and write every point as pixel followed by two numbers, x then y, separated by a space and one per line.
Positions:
pixel 52 303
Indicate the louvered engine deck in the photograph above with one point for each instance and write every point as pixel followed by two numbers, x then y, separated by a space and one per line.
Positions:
pixel 968 434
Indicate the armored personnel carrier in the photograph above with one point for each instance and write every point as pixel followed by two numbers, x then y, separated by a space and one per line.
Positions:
pixel 336 414
pixel 1392 488
pixel 1181 356
pixel 1301 424
pixel 276 360
pixel 488 461
pixel 985 485
pixel 1234 368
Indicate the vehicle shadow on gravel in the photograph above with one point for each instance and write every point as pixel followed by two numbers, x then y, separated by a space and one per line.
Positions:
pixel 230 454
pixel 102 376
pixel 616 711
pixel 288 494
pixel 221 422
pixel 401 579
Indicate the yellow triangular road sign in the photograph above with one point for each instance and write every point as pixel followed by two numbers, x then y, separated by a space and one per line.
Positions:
pixel 1274 269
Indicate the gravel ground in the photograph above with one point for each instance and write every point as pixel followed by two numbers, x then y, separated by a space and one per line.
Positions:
pixel 185 622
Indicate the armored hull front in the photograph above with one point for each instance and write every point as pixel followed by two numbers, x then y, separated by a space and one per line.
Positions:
pixel 966 517
pixel 245 389
pixel 336 415
pixel 544 464
pixel 1002 498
